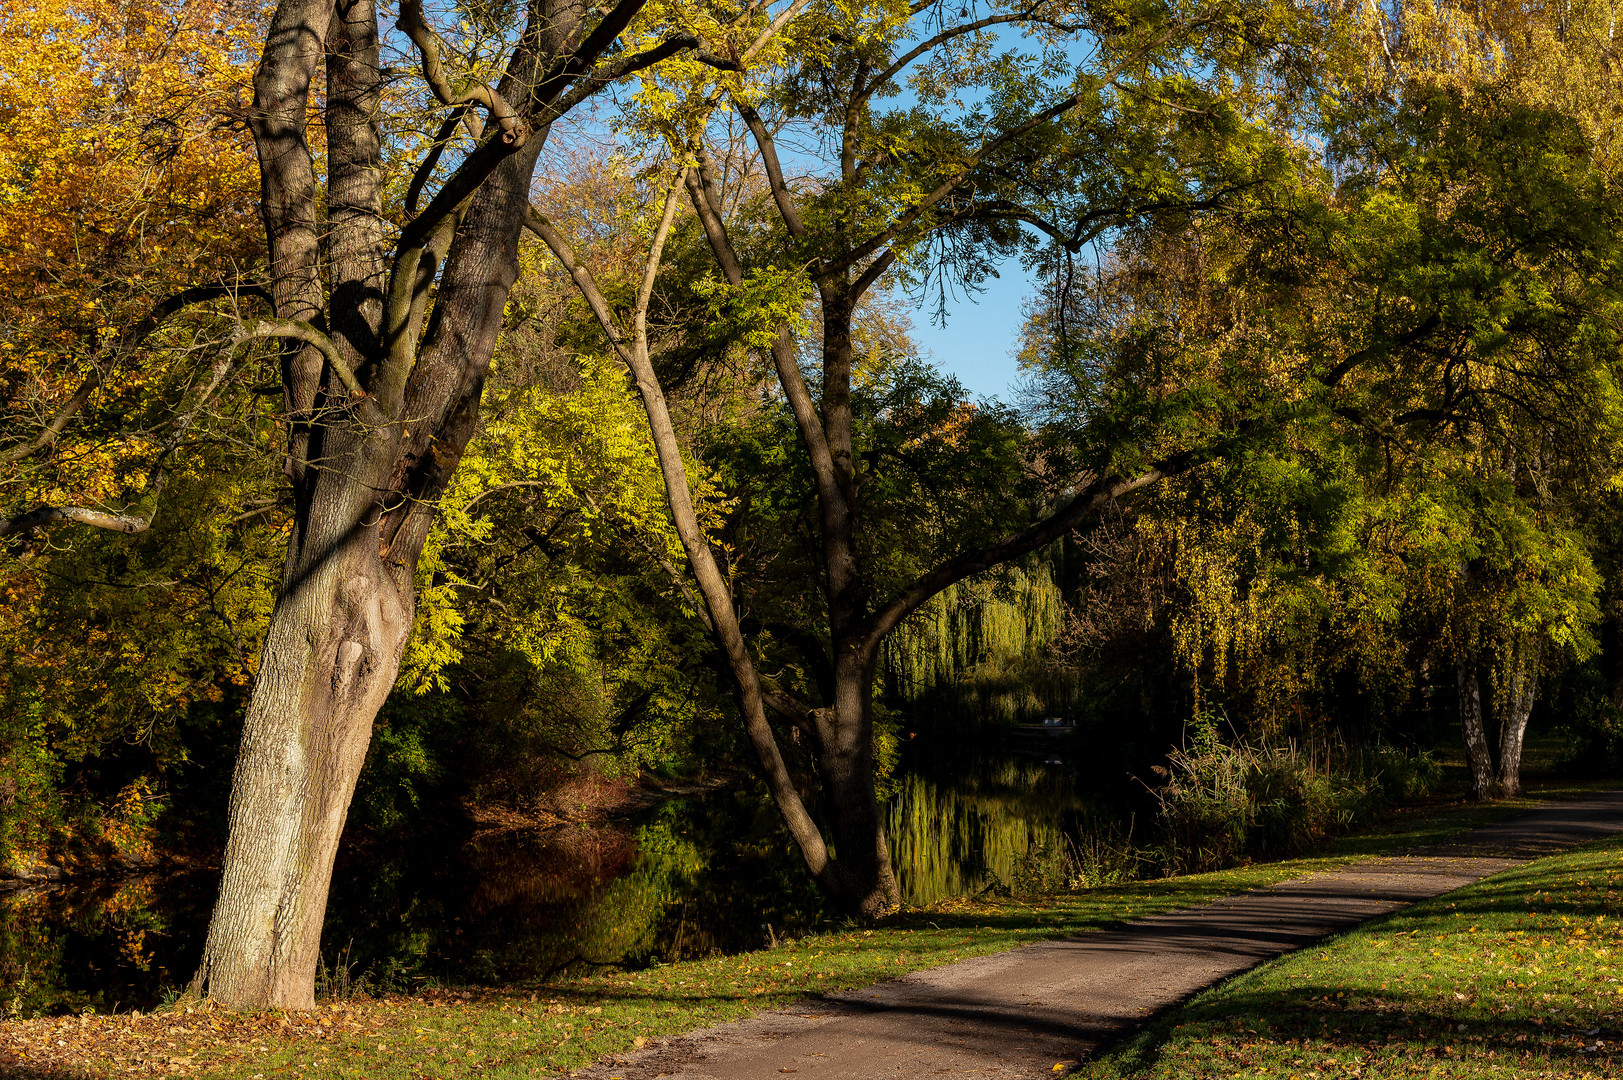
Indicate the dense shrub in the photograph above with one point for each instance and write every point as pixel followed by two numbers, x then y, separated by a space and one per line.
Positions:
pixel 1224 803
pixel 1401 775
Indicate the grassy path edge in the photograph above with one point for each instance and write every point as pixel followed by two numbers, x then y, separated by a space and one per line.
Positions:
pixel 1518 975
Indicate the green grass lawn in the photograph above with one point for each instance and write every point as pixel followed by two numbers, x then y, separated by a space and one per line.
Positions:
pixel 1515 977
pixel 543 1030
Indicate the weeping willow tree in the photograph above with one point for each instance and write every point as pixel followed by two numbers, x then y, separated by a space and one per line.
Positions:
pixel 978 653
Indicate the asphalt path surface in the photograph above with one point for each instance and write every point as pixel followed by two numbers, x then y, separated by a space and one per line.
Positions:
pixel 1021 1013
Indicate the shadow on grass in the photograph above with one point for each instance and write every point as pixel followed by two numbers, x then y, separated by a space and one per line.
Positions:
pixel 1512 976
pixel 1321 1026
pixel 1092 910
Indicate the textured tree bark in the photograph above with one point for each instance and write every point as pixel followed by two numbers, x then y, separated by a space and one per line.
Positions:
pixel 329 659
pixel 866 883
pixel 1521 689
pixel 1478 754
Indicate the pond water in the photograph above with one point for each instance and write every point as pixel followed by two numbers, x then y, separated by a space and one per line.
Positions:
pixel 685 878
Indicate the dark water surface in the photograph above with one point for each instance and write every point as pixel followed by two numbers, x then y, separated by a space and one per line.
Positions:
pixel 693 875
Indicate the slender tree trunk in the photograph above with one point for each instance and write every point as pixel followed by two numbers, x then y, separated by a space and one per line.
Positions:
pixel 1478 754
pixel 1521 688
pixel 866 886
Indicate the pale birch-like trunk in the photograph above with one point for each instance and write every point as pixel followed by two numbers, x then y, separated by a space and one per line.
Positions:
pixel 1519 692
pixel 861 879
pixel 1478 754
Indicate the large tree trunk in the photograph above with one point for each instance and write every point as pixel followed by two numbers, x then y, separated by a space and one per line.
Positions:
pixel 1478 754
pixel 1520 690
pixel 329 659
pixel 380 410
pixel 865 883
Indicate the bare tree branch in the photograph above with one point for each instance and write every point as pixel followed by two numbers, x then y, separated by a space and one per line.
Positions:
pixel 155 318
pixel 781 195
pixel 294 330
pixel 1027 15
pixel 712 582
pixel 414 26
pixel 47 438
pixel 783 18
pixel 548 89
pixel 873 272
pixel 426 167
pixel 619 67
pixel 559 244
pixel 79 515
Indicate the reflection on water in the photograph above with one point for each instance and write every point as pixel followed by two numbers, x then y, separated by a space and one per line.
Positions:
pixel 692 876
pixel 1000 829
pixel 100 945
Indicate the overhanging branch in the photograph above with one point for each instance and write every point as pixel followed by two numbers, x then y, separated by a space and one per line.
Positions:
pixel 80 515
pixel 1089 502
pixel 294 330
pixel 161 311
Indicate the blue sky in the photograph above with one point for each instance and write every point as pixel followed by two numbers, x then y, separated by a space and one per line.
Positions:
pixel 978 342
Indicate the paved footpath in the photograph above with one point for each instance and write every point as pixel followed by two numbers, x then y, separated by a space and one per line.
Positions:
pixel 1019 1013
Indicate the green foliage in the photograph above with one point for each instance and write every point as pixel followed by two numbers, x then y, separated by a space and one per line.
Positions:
pixel 1400 775
pixel 752 314
pixel 1402 381
pixel 1223 802
pixel 547 608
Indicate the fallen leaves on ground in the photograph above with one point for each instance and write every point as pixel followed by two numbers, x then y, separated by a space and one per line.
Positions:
pixel 190 1040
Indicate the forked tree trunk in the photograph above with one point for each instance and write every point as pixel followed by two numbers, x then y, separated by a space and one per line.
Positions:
pixel 379 411
pixel 1520 690
pixel 1478 754
pixel 842 266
